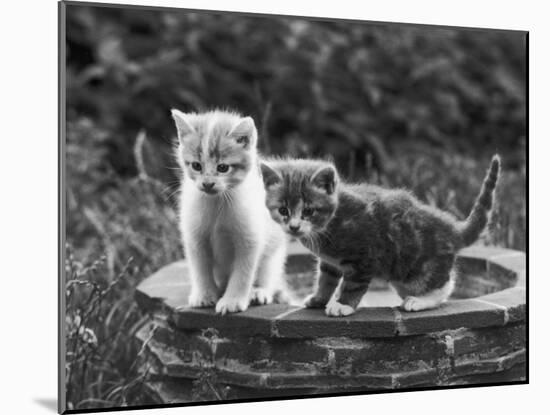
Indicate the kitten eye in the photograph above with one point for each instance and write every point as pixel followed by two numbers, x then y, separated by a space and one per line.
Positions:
pixel 242 139
pixel 196 166
pixel 283 211
pixel 307 211
pixel 223 168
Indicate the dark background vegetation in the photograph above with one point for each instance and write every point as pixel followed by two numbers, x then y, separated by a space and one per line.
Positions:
pixel 398 105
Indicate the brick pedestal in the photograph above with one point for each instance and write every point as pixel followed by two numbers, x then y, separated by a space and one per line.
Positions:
pixel 284 350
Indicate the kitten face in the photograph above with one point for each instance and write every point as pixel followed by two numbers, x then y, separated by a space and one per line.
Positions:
pixel 301 194
pixel 217 148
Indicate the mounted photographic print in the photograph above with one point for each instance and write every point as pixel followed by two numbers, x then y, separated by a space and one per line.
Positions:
pixel 260 206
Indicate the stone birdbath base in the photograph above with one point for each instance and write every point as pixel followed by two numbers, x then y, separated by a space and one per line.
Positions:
pixel 477 337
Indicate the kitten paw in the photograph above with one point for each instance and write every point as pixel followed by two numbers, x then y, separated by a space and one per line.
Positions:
pixel 413 304
pixel 312 301
pixel 339 310
pixel 260 296
pixel 202 300
pixel 231 305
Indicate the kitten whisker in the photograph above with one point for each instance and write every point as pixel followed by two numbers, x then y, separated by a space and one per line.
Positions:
pixel 224 202
pixel 317 238
pixel 172 194
pixel 228 198
pixel 313 244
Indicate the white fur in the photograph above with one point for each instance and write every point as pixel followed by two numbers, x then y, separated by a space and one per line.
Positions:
pixel 431 300
pixel 336 309
pixel 232 245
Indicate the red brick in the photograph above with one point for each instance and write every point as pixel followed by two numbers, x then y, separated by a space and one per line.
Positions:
pixel 514 261
pixel 474 285
pixel 313 323
pixel 484 252
pixel 468 365
pixel 169 286
pixel 315 380
pixel 187 344
pixel 505 276
pixel 168 363
pixel 513 299
pixel 489 341
pixel 419 377
pixel 289 350
pixel 245 350
pixel 471 265
pixel 451 315
pixel 387 354
pixel 516 373
pixel 254 321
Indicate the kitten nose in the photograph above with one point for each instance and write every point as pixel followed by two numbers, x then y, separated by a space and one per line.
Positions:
pixel 207 186
pixel 294 228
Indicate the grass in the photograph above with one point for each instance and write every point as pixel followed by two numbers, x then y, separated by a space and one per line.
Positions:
pixel 121 229
pixel 100 373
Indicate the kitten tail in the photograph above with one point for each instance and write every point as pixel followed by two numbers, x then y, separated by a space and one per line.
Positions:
pixel 471 228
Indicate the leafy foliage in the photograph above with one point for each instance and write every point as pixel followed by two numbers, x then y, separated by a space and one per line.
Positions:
pixel 316 87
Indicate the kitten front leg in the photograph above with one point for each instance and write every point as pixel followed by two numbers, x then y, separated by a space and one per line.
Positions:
pixel 354 286
pixel 204 291
pixel 326 285
pixel 269 275
pixel 237 294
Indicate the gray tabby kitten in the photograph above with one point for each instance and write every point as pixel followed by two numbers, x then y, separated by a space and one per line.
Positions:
pixel 360 231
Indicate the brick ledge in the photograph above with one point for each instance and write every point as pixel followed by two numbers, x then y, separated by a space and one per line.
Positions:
pixel 166 292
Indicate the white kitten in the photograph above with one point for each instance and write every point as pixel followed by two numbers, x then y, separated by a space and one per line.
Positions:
pixel 235 251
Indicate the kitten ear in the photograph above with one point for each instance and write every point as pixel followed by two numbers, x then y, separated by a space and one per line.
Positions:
pixel 269 175
pixel 245 132
pixel 325 178
pixel 183 125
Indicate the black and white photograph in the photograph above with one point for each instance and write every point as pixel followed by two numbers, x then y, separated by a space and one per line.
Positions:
pixel 263 207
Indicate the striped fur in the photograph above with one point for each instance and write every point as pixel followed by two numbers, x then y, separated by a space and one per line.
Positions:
pixel 361 231
pixel 472 227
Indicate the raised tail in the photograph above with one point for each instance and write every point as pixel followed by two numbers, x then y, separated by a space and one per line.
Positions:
pixel 471 228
